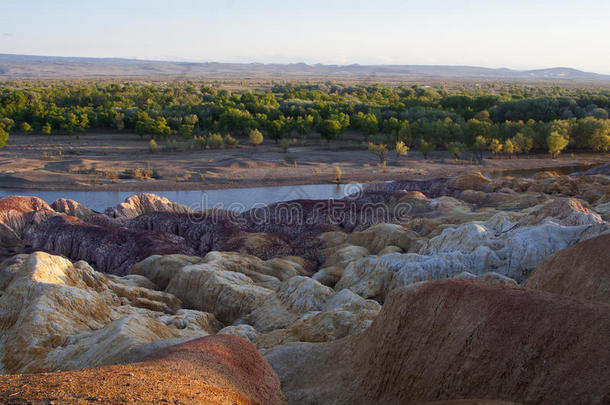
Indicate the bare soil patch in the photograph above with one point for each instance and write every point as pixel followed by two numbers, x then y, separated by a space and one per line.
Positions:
pixel 122 162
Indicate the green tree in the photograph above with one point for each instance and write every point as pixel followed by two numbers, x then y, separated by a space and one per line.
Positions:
pixel 285 144
pixel 425 148
pixel 379 150
pixel 83 123
pixel 338 174
pixel 191 119
pixel 329 129
pixel 599 113
pixel 391 125
pixel 46 129
pixel 482 116
pixel 404 133
pixel 522 143
pixel 3 137
pixel 277 129
pixel 586 129
pixel 161 127
pixel 401 149
pixel 456 149
pixel 495 146
pixel 368 123
pixel 601 141
pixel 304 125
pixel 479 146
pixel 229 141
pixel 7 124
pixel 475 128
pixel 70 123
pixel 215 141
pixel 186 130
pixel 25 127
pixel 144 124
pixel 118 121
pixel 255 137
pixel 508 148
pixel 152 146
pixel 556 143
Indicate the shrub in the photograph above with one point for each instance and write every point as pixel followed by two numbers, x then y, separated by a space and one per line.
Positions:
pixel 379 150
pixel 140 173
pixel 200 142
pixel 256 137
pixel 285 144
pixel 338 174
pixel 229 141
pixel 110 175
pixel 171 145
pixel 215 141
pixel 152 146
pixel 401 149
pixel 46 129
pixel 52 155
pixel 25 127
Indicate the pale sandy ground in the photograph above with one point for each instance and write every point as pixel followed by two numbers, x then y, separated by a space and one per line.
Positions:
pixel 85 160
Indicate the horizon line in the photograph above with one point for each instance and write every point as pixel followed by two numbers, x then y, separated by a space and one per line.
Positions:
pixel 295 63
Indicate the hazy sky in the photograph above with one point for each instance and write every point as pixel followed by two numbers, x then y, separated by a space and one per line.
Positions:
pixel 519 34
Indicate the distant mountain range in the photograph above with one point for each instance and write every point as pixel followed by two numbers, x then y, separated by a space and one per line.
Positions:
pixel 44 67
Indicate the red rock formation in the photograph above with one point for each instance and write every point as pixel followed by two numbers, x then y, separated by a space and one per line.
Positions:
pixel 23 204
pixel 73 208
pixel 17 216
pixel 454 339
pixel 142 204
pixel 580 271
pixel 152 225
pixel 217 369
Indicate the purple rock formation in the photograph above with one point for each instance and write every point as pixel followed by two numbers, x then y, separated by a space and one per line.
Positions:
pixel 110 249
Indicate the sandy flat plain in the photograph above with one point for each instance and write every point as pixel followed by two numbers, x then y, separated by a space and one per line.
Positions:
pixel 106 162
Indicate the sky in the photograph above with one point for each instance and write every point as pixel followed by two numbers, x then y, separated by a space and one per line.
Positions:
pixel 518 34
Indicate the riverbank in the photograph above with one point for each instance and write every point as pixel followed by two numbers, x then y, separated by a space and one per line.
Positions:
pixel 122 162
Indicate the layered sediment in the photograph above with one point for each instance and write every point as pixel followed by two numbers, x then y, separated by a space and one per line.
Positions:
pixel 456 289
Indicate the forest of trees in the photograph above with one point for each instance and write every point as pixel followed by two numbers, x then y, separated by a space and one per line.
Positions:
pixel 501 119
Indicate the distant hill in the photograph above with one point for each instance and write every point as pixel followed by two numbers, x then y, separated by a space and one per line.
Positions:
pixel 43 67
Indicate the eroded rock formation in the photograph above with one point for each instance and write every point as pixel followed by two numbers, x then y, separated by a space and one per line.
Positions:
pixel 292 277
pixel 211 370
pixel 580 271
pixel 55 315
pixel 454 339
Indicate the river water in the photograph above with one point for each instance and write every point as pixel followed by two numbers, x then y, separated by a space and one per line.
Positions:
pixel 238 199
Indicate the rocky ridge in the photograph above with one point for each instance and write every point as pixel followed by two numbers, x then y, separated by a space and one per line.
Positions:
pixel 303 284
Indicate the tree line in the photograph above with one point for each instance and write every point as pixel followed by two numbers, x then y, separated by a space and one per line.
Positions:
pixel 503 119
